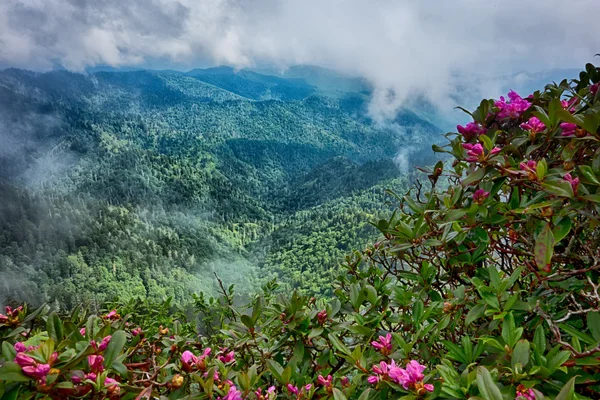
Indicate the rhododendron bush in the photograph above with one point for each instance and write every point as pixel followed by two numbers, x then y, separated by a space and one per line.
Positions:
pixel 485 285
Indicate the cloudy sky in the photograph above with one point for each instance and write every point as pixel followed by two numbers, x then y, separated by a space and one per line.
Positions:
pixel 401 46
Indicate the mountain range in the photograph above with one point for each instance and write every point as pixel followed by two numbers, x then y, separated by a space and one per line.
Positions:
pixel 142 183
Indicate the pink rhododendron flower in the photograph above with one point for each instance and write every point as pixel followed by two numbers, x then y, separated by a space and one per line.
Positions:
pixel 524 393
pixel 24 360
pixel 102 345
pixel 292 389
pixel 471 130
pixel 570 104
pixel 233 394
pixel 479 196
pixel 201 363
pixel 381 372
pixel 96 363
pixel 77 377
pixel 534 125
pixel 227 358
pixel 513 108
pixel 383 344
pixel 594 88
pixel 82 331
pixel 11 314
pixel 573 181
pixel 530 168
pixel 568 129
pixel 345 381
pixel 415 370
pixel 91 376
pixel 112 315
pixel 382 368
pixel 31 367
pixel 188 360
pixel 20 347
pixel 327 382
pixel 270 393
pixel 474 151
pixel 136 331
pixel 410 377
pixel 216 376
pixel 110 382
pixel 322 317
pixel 39 371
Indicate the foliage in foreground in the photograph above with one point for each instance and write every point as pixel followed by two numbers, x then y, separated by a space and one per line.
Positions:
pixel 486 289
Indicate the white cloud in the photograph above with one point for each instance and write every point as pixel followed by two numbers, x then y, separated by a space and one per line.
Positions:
pixel 403 47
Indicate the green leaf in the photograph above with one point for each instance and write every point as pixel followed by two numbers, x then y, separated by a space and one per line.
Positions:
pixel 487 387
pixel 539 339
pixel 520 353
pixel 418 311
pixel 8 351
pixel 553 108
pixel 568 391
pixel 566 116
pixel 475 313
pixel 371 294
pixel 11 372
pixel 591 122
pixel 487 142
pixel 561 229
pixel 592 197
pixel 314 332
pixel 337 343
pixel 588 173
pixel 542 115
pixel 91 327
pixel 510 333
pixel 455 352
pixel 55 328
pixel 177 327
pixel 559 188
pixel 557 360
pixel 438 149
pixel 338 395
pixel 541 169
pixel 276 370
pixel 13 394
pixel 365 395
pixel 593 323
pixel 114 348
pixel 474 177
pixel 464 110
pixel 544 247
pixel 577 333
pixel 246 320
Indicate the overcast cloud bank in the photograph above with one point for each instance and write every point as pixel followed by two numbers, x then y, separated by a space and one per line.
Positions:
pixel 402 47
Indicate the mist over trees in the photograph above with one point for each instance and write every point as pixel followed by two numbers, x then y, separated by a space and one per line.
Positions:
pixel 146 184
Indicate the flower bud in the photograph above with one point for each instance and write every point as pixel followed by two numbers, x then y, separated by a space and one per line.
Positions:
pixel 177 381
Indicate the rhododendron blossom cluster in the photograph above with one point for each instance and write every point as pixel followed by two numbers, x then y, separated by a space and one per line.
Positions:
pixel 410 377
pixel 513 108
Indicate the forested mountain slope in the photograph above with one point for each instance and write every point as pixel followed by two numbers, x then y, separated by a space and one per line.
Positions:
pixel 144 183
